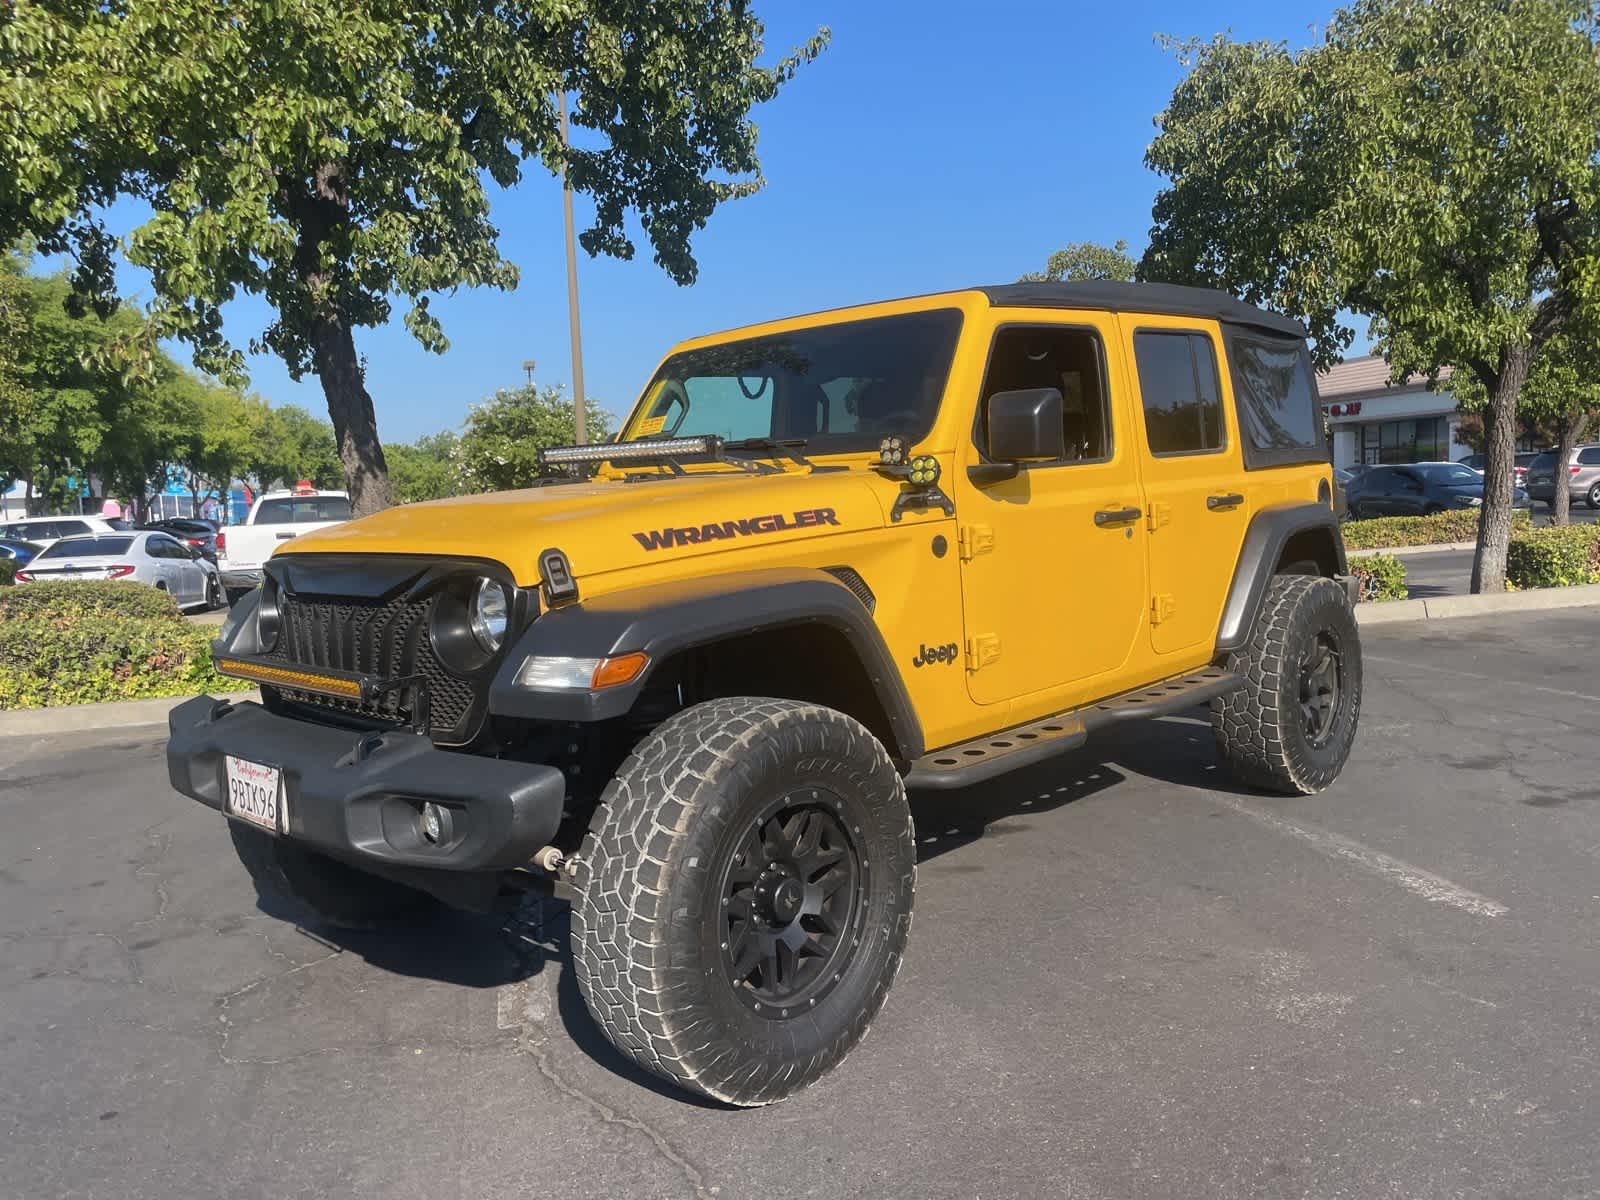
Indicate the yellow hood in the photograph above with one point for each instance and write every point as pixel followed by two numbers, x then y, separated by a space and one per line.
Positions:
pixel 611 525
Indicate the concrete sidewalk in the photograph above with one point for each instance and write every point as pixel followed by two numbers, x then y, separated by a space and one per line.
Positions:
pixel 73 718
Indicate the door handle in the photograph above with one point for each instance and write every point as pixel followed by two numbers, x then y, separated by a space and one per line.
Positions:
pixel 1220 503
pixel 1117 516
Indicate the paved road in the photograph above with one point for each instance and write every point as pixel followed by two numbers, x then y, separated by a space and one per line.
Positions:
pixel 1437 573
pixel 1125 979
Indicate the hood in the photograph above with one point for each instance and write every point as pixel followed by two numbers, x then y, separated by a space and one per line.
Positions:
pixel 610 525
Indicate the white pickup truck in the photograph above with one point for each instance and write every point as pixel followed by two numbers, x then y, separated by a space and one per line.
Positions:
pixel 275 518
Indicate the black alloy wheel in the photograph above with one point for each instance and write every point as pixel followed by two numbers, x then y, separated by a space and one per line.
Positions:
pixel 790 904
pixel 1321 675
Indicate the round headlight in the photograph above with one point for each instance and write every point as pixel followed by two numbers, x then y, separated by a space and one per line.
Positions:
pixel 490 614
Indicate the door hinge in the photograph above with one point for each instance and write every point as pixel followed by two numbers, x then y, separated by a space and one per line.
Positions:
pixel 982 650
pixel 975 540
pixel 1160 514
pixel 1162 606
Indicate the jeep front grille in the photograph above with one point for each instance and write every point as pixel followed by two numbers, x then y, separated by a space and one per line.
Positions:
pixel 388 640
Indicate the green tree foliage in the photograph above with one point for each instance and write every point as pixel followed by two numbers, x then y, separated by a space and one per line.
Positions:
pixel 1431 165
pixel 501 440
pixel 1085 260
pixel 334 157
pixel 425 469
pixel 292 445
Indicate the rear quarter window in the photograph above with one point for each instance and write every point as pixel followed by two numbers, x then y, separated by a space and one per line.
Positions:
pixel 86 547
pixel 1275 393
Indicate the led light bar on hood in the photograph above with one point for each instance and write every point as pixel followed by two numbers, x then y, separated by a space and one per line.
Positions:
pixel 630 451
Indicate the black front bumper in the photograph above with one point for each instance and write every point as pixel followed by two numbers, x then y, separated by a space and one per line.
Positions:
pixel 359 797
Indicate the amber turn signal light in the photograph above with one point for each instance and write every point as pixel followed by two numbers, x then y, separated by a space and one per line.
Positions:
pixel 624 668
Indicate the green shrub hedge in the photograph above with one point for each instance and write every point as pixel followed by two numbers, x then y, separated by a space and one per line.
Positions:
pixel 8 569
pixel 1563 556
pixel 1382 576
pixel 69 600
pixel 1459 525
pixel 94 657
pixel 82 642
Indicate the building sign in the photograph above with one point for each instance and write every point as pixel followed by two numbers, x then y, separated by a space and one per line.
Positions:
pixel 1351 408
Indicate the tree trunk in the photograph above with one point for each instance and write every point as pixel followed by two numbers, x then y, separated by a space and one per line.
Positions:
pixel 1561 497
pixel 355 426
pixel 1500 446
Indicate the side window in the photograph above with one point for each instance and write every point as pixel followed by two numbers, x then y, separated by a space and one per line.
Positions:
pixel 1181 390
pixel 1069 360
pixel 70 529
pixel 1277 403
pixel 1589 457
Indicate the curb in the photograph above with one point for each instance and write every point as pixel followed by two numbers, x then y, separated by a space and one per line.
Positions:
pixel 1397 551
pixel 118 714
pixel 1440 607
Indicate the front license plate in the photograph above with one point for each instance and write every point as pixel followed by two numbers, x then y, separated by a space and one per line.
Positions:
pixel 255 793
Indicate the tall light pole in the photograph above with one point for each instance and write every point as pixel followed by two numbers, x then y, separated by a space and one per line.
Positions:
pixel 582 432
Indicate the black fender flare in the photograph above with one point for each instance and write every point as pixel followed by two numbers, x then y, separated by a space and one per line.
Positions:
pixel 662 619
pixel 1264 542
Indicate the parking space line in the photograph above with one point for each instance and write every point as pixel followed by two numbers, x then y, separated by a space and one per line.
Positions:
pixel 1433 888
pixel 1499 680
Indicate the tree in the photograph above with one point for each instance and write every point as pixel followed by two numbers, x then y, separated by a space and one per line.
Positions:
pixel 1560 400
pixel 334 157
pixel 1086 260
pixel 1431 165
pixel 424 470
pixel 292 445
pixel 501 440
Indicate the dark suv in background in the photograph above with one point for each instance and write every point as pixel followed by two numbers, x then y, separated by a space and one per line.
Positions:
pixel 1583 476
pixel 1417 489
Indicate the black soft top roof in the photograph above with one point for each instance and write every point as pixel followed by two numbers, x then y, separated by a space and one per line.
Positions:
pixel 1165 298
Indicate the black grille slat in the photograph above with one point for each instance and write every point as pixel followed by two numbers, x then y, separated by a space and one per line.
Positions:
pixel 387 639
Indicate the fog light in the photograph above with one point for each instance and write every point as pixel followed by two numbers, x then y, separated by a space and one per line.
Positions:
pixel 433 821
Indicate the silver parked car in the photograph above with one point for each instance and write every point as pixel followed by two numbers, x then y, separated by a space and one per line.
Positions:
pixel 157 559
pixel 1583 476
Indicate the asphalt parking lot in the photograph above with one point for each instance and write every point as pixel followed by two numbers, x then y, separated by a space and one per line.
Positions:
pixel 1125 979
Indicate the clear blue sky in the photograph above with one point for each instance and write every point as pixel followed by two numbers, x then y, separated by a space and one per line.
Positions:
pixel 934 144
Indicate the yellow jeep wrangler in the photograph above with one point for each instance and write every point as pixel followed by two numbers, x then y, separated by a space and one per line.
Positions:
pixel 688 683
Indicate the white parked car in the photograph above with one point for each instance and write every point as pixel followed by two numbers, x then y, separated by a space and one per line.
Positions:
pixel 157 559
pixel 275 518
pixel 41 531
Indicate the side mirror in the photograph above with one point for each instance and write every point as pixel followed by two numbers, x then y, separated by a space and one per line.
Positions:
pixel 1026 425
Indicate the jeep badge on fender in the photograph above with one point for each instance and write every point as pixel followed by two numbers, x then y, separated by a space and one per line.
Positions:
pixel 662 683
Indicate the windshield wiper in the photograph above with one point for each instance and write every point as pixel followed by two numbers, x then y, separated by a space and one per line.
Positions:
pixel 781 448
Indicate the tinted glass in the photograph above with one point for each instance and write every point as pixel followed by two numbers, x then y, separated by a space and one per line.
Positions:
pixel 83 547
pixel 1272 382
pixel 1454 475
pixel 70 528
pixel 1589 457
pixel 1543 462
pixel 298 510
pixel 1179 386
pixel 839 387
pixel 1068 360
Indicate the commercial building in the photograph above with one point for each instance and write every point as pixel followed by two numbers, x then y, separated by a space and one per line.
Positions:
pixel 1372 421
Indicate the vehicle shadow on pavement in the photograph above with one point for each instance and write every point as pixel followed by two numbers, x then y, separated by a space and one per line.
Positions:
pixel 1179 749
pixel 948 820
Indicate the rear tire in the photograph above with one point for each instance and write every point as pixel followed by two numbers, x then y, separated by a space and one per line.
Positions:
pixel 338 894
pixel 1593 498
pixel 1289 728
pixel 745 897
pixel 213 593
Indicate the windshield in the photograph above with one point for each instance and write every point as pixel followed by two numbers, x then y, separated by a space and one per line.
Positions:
pixel 1450 475
pixel 86 547
pixel 836 387
pixel 299 510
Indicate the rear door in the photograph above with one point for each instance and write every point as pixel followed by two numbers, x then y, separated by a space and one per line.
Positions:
pixel 1197 497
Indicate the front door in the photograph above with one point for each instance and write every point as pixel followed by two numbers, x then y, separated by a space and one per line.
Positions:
pixel 1053 560
pixel 1194 480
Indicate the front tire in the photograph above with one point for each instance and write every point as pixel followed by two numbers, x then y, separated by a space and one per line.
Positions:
pixel 338 894
pixel 745 897
pixel 1289 728
pixel 1593 498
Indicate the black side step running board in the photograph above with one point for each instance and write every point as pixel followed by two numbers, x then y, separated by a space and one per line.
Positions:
pixel 983 758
